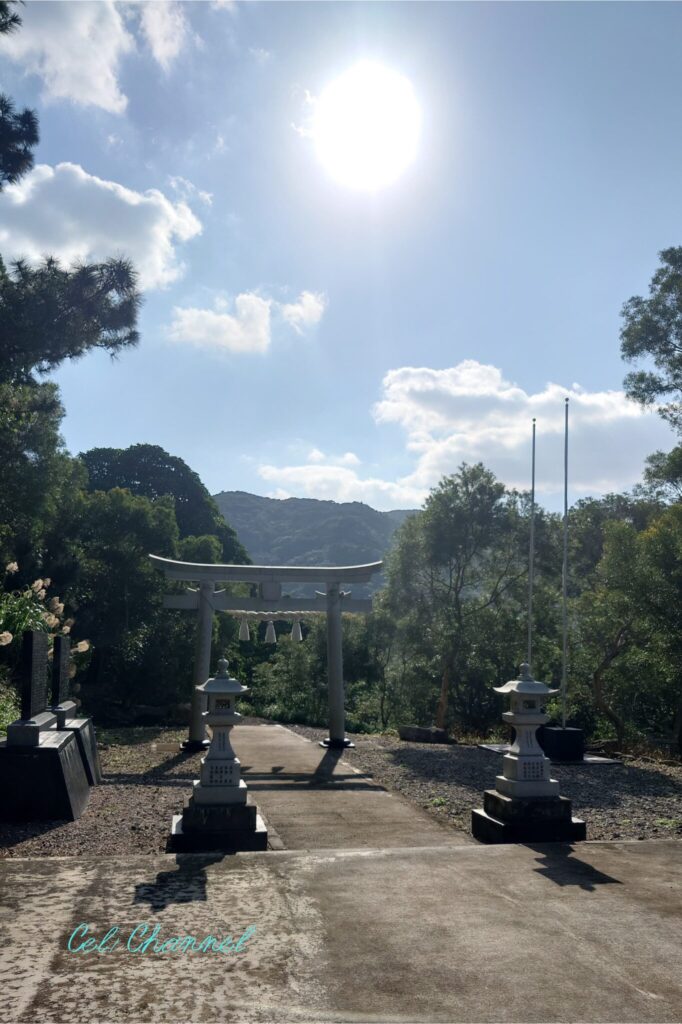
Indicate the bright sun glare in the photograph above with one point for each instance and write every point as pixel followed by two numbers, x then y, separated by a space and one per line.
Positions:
pixel 366 126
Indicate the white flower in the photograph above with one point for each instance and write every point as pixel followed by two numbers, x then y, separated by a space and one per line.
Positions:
pixel 37 586
pixel 11 567
pixel 82 646
pixel 5 638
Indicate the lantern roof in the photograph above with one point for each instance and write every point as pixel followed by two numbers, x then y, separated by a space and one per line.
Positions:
pixel 222 682
pixel 525 684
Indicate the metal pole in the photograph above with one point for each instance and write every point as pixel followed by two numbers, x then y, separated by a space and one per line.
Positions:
pixel 531 555
pixel 564 576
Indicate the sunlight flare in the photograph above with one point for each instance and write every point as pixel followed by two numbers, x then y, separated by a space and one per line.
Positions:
pixel 366 126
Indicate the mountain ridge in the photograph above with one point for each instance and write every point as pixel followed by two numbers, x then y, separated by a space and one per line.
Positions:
pixel 311 531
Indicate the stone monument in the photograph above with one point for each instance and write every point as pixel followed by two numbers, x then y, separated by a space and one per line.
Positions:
pixel 217 815
pixel 42 777
pixel 525 805
pixel 66 711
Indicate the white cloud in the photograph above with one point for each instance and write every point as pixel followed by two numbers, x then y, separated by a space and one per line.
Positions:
pixel 247 330
pixel 338 483
pixel 187 191
pixel 76 49
pixel 66 212
pixel 306 312
pixel 347 459
pixel 165 28
pixel 260 55
pixel 470 413
pixel 224 5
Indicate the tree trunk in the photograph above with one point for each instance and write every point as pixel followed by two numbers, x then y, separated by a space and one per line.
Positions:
pixel 677 727
pixel 600 703
pixel 442 709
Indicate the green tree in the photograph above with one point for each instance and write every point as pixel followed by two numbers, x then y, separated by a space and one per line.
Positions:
pixel 40 480
pixel 18 130
pixel 461 557
pixel 663 474
pixel 48 314
pixel 117 594
pixel 652 329
pixel 148 470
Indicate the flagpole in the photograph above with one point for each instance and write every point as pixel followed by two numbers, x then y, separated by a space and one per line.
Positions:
pixel 531 554
pixel 564 576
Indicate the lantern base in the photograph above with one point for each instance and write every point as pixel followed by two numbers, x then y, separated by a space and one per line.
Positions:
pixel 336 744
pixel 505 819
pixel 233 841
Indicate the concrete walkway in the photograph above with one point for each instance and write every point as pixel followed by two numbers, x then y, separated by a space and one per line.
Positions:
pixel 313 799
pixel 425 931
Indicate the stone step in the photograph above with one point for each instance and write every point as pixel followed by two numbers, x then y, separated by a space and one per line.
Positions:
pixel 491 830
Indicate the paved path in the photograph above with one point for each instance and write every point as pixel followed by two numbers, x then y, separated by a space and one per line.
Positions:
pixel 313 799
pixel 450 933
pixel 398 919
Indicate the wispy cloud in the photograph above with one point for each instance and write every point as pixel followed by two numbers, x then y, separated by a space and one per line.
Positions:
pixel 165 29
pixel 260 55
pixel 74 215
pixel 189 192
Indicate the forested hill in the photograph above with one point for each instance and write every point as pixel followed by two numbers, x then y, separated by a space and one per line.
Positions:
pixel 306 531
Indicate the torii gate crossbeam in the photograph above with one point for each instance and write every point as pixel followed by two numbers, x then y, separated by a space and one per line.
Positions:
pixel 269 579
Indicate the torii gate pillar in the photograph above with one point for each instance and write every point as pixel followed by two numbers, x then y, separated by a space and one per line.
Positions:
pixel 337 719
pixel 198 739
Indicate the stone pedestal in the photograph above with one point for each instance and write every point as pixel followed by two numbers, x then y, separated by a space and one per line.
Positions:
pixel 43 781
pixel 218 815
pixel 525 805
pixel 84 732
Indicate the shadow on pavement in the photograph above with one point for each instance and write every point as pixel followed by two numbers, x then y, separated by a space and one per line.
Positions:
pixel 562 868
pixel 186 885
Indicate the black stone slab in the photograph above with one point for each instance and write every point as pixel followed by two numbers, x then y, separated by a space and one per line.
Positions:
pixel 84 731
pixel 491 830
pixel 61 662
pixel 43 783
pixel 419 734
pixel 562 744
pixel 33 673
pixel 228 842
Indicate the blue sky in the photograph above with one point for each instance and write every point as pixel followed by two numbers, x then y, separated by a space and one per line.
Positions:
pixel 303 338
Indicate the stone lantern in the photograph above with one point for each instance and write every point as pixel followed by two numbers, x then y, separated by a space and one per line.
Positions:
pixel 525 805
pixel 217 815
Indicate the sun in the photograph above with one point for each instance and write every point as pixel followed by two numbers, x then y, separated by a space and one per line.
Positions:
pixel 366 126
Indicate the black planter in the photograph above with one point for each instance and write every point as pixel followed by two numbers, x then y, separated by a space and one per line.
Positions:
pixel 559 744
pixel 562 744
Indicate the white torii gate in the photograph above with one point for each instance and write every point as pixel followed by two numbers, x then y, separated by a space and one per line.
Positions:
pixel 207 600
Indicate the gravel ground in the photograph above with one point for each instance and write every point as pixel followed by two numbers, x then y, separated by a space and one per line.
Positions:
pixel 147 780
pixel 636 799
